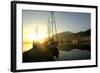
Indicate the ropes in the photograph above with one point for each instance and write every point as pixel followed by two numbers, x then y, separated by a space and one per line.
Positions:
pixel 52 29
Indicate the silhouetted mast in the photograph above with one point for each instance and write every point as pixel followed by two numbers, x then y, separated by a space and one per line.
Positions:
pixel 53 26
pixel 53 44
pixel 36 32
pixel 52 22
pixel 48 28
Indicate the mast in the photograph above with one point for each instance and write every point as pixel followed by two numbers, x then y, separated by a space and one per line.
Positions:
pixel 54 41
pixel 37 32
pixel 53 26
pixel 48 28
pixel 52 22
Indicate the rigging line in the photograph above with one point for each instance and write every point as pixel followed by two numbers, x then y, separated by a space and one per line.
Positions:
pixel 48 28
pixel 55 26
pixel 36 32
pixel 52 23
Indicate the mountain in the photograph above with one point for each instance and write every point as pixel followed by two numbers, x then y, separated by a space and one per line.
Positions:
pixel 69 40
pixel 70 34
pixel 84 33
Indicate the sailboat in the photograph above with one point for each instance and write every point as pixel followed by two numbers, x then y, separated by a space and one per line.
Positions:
pixel 36 54
pixel 52 37
pixel 52 29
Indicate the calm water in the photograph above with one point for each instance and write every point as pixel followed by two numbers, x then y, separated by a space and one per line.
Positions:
pixel 74 54
pixel 27 46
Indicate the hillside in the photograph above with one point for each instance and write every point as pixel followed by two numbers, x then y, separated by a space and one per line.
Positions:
pixel 80 40
pixel 70 34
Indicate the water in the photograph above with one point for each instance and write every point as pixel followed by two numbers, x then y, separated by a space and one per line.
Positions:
pixel 27 46
pixel 75 54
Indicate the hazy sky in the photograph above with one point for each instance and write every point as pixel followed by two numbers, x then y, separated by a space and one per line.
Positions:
pixel 65 21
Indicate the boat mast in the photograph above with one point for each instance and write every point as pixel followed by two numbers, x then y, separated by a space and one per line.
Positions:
pixel 37 32
pixel 48 28
pixel 55 27
pixel 53 24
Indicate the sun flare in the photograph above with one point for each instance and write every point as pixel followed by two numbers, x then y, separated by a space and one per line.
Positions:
pixel 38 37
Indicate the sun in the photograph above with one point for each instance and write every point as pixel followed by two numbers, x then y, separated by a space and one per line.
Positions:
pixel 38 37
pixel 32 37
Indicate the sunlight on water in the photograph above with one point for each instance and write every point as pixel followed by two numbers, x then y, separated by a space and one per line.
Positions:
pixel 27 46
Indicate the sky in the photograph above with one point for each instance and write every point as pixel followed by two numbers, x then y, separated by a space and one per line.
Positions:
pixel 65 21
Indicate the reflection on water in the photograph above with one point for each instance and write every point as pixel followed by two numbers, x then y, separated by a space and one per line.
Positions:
pixel 75 54
pixel 27 46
